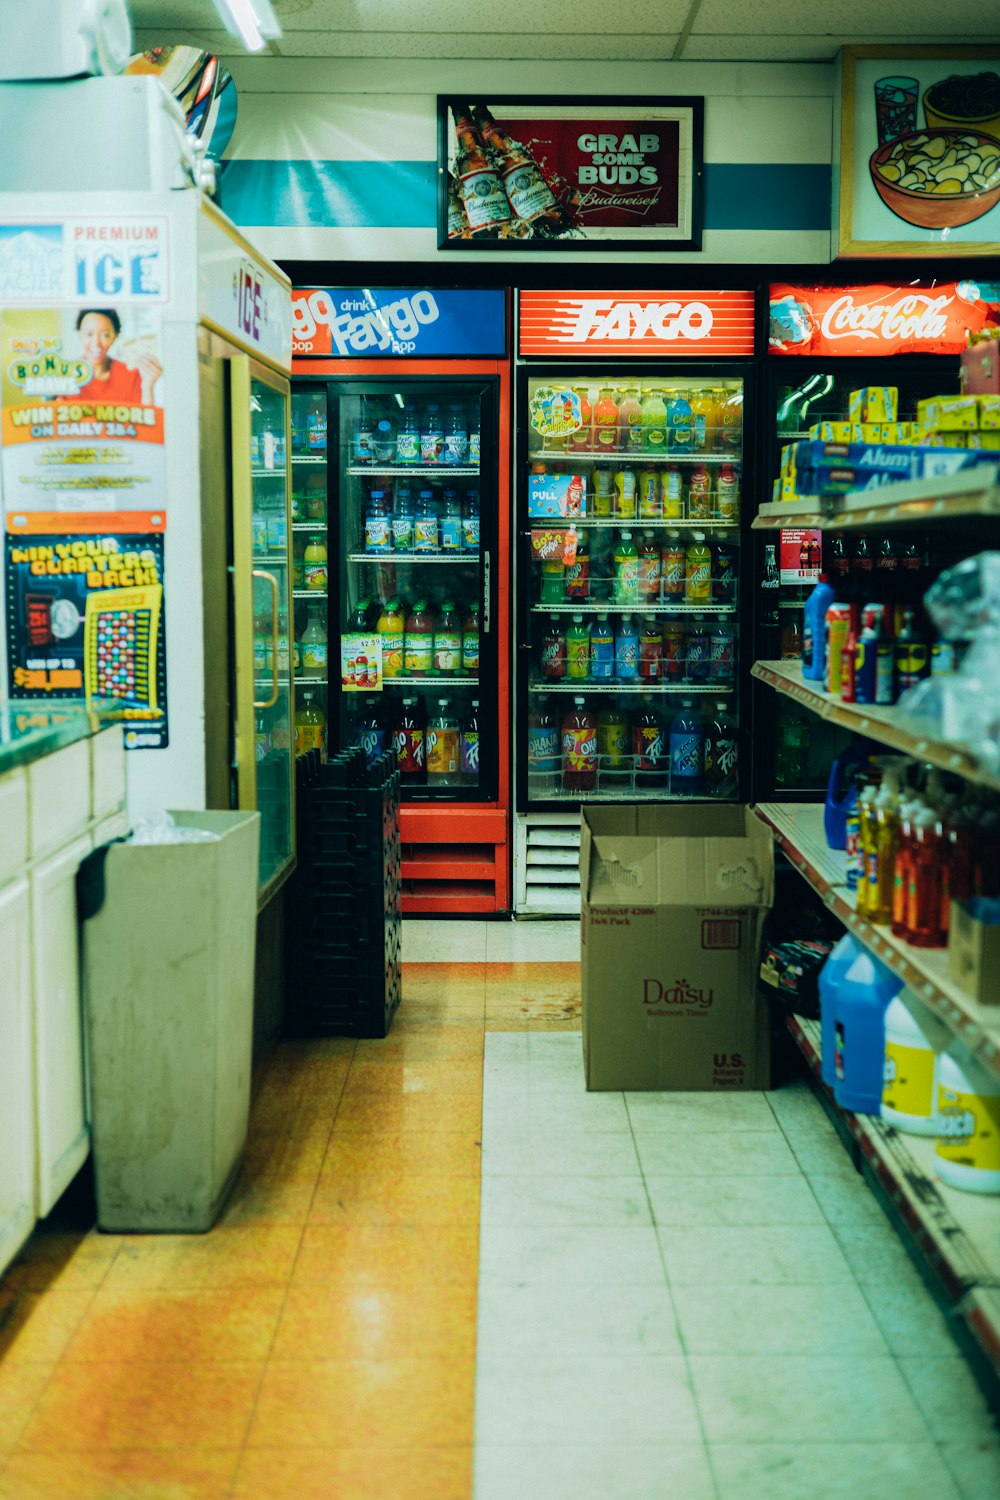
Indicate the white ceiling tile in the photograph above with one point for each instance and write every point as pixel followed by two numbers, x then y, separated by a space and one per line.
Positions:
pixel 702 48
pixel 859 22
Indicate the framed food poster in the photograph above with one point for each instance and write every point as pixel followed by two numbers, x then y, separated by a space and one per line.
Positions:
pixel 919 164
pixel 573 174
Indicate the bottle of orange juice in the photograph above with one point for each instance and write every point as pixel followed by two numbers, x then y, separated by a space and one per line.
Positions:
pixel 606 422
pixel 391 627
pixel 703 414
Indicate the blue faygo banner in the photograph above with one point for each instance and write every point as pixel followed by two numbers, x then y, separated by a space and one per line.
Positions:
pixel 398 322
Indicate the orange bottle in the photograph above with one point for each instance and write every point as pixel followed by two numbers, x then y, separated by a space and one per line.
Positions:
pixel 606 422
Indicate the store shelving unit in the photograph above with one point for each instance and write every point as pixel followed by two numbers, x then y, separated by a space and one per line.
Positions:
pixel 922 502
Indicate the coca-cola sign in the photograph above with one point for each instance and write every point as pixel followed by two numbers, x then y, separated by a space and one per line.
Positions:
pixel 580 173
pixel 642 324
pixel 877 320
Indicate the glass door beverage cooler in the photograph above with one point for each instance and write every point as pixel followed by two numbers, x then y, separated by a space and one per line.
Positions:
pixel 400 638
pixel 631 504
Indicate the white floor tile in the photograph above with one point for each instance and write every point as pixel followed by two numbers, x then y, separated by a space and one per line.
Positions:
pixel 444 942
pixel 910 1320
pixel 603 1154
pixel 553 1202
pixel 876 1254
pixel 823 1154
pixel 533 1111
pixel 952 1402
pixel 845 1201
pixel 585 1472
pixel 533 942
pixel 831 1471
pixel 605 1257
pixel 774 1255
pixel 759 1153
pixel 764 1398
pixel 776 1320
pixel 626 1400
pixel 975 1468
pixel 732 1200
pixel 704 1113
pixel 575 1318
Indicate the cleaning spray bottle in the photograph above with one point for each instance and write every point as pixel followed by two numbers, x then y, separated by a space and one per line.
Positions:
pixel 842 789
pixel 923 907
pixel 886 814
pixel 867 845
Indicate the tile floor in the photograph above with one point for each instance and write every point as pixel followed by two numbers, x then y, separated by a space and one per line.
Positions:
pixel 446 1270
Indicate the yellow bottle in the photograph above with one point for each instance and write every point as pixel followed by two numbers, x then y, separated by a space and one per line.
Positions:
pixel 868 848
pixel 314 558
pixel 310 726
pixel 882 872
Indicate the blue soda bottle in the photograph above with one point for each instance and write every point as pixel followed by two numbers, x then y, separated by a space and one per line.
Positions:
pixel 602 651
pixel 686 751
pixel 456 436
pixel 626 650
pixel 451 522
pixel 425 523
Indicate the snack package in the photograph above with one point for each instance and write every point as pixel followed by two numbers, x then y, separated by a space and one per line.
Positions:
pixel 874 403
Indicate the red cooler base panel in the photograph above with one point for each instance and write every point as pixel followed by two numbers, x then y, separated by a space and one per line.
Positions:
pixel 454 860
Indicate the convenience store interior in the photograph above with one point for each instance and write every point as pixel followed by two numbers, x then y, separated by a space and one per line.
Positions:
pixel 446 1268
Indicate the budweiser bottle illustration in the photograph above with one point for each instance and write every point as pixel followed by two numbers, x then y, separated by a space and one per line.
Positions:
pixel 482 194
pixel 527 191
pixel 458 219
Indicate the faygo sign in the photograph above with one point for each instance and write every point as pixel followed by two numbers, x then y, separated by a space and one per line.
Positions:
pixel 643 324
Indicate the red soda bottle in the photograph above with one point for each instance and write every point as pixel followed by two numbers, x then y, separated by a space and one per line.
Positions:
pixel 554 649
pixel 650 652
pixel 408 739
pixel 579 749
pixel 649 751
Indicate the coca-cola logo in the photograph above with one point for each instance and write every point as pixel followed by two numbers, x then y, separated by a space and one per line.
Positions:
pixel 589 319
pixel 680 993
pixel 915 315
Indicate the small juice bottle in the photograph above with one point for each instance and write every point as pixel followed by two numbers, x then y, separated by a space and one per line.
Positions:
pixel 606 422
pixel 582 440
pixel 630 422
pixel 654 422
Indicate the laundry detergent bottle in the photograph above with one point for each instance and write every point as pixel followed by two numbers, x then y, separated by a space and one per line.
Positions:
pixel 859 1008
pixel 832 972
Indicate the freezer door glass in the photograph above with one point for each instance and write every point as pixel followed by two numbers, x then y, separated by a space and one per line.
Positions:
pixel 628 581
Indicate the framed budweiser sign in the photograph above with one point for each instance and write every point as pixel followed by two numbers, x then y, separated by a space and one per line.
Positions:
pixel 931 318
pixel 644 325
pixel 579 174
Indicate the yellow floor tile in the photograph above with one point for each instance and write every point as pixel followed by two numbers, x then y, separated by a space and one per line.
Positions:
pixel 449 1152
pixel 21 1388
pixel 268 1202
pixel 348 1254
pixel 438 1111
pixel 434 1079
pixel 395 1198
pixel 167 1324
pixel 377 1322
pixel 144 1406
pixel 36 1327
pixel 426 1043
pixel 356 1474
pixel 119 1476
pixel 351 1404
pixel 223 1258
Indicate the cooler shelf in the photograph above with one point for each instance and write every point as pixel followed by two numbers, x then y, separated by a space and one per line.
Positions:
pixel 472 558
pixel 799 830
pixel 879 723
pixel 584 687
pixel 629 794
pixel 954 1233
pixel 638 606
pixel 308 593
pixel 308 458
pixel 639 460
pixel 636 523
pixel 415 471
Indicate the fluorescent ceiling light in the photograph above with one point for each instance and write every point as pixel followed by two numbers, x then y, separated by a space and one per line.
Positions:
pixel 252 20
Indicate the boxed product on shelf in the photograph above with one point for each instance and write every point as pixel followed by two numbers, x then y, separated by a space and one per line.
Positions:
pixel 974 949
pixel 874 403
pixel 674 900
pixel 836 468
pixel 948 413
pixel 989 413
pixel 557 495
pixel 980 364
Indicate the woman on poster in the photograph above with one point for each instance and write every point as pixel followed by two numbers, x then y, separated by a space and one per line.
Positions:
pixel 112 380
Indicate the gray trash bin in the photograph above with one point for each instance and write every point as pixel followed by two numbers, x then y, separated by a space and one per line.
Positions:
pixel 168 964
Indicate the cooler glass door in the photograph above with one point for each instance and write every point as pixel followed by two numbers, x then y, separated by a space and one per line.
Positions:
pixel 416 557
pixel 630 546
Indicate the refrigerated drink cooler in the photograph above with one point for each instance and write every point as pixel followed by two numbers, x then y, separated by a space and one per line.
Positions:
pixel 400 605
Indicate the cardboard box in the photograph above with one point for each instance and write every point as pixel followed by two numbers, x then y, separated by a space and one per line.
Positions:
pixel 874 403
pixel 974 955
pixel 674 899
pixel 951 413
pixel 989 413
pixel 980 368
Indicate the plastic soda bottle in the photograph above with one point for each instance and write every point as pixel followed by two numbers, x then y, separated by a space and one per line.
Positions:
pixel 554 650
pixel 402 519
pixel 456 436
pixel 392 628
pixel 626 570
pixel 672 493
pixel 702 419
pixel 579 749
pixel 686 751
pixel 316 425
pixel 626 650
pixel 700 493
pixel 721 653
pixel 469 747
pixel 679 423
pixel 447 641
pixel 698 571
pixel 408 437
pixel 719 755
pixel 727 494
pixel 544 750
pixel 451 522
pixel 650 652
pixel 553 587
pixel 384 441
pixel 602 650
pixel 673 650
pixel 425 523
pixel 578 648
pixel 612 745
pixel 577 577
pixel 696 655
pixel 724 582
pixel 313 652
pixel 654 422
pixel 364 437
pixel 409 742
pixel 606 422
pixel 731 421
pixel 314 558
pixel 649 751
pixel 603 490
pixel 674 566
pixel 310 726
pixel 378 528
pixel 418 642
pixel 630 422
pixel 371 732
pixel 650 568
pixel 650 498
pixel 625 497
pixel 443 752
pixel 431 435
pixel 470 641
pixel 470 521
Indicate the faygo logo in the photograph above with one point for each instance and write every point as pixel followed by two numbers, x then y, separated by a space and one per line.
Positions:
pixel 680 993
pixel 585 321
pixel 360 323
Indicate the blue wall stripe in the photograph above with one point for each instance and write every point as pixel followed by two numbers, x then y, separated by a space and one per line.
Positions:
pixel 402 194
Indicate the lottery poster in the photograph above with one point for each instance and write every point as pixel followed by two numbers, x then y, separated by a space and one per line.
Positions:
pixel 81 409
pixel 86 615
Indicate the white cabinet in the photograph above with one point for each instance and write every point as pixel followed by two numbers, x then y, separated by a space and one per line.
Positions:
pixel 17 1134
pixel 60 1115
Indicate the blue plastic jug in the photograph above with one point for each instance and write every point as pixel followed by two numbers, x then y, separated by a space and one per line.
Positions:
pixel 859 1008
pixel 830 975
pixel 814 643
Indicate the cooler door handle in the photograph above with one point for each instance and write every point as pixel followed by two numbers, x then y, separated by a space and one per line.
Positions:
pixel 486 592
